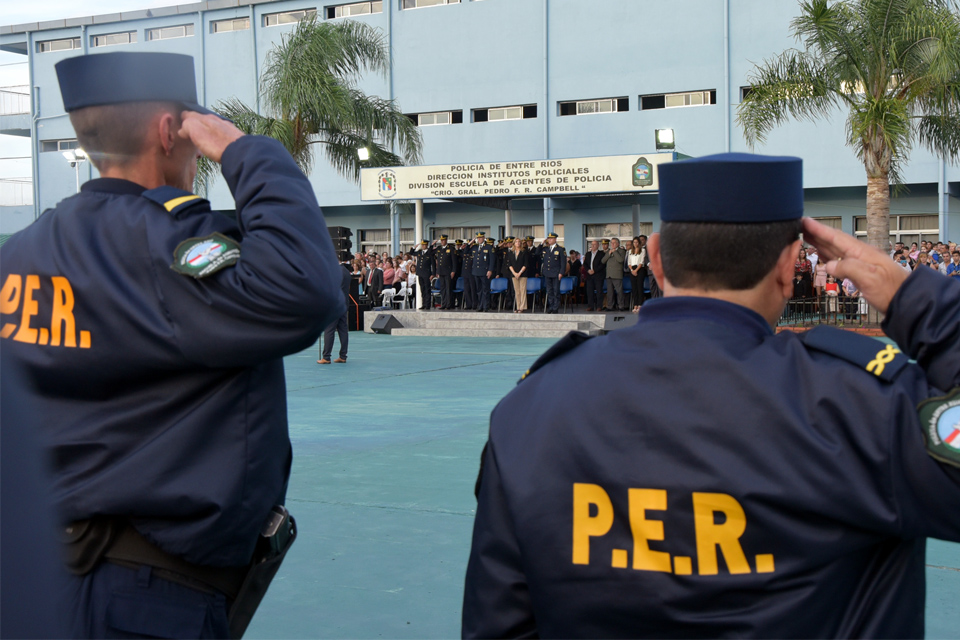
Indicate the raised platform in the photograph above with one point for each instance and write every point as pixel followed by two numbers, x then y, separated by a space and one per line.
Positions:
pixel 499 324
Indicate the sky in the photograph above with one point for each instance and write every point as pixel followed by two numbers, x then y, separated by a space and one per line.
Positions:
pixel 13 70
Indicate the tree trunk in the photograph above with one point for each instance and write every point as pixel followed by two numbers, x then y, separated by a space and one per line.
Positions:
pixel 878 211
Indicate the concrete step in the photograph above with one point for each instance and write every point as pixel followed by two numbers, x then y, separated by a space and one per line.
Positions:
pixel 517 332
pixel 504 324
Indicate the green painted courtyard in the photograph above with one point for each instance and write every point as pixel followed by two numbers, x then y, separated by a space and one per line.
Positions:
pixel 386 452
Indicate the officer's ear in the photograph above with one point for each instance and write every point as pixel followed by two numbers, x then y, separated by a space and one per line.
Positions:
pixel 784 270
pixel 656 263
pixel 167 127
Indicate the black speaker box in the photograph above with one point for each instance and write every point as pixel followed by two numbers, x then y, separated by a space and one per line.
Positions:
pixel 355 315
pixel 385 323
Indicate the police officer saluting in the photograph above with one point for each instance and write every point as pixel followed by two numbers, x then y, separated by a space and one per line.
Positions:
pixel 745 483
pixel 152 331
pixel 554 263
pixel 484 267
pixel 425 271
pixel 446 271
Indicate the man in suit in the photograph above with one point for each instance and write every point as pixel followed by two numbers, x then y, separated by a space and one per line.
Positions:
pixel 614 262
pixel 375 283
pixel 339 326
pixel 593 263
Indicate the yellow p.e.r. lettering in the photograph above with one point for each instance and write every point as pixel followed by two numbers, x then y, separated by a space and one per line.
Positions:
pixel 586 526
pixel 63 324
pixel 644 558
pixel 726 535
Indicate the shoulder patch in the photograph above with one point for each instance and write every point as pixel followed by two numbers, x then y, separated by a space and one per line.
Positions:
pixel 201 257
pixel 172 199
pixel 882 360
pixel 940 418
pixel 567 343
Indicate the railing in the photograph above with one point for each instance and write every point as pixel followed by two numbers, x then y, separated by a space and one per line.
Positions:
pixel 14 100
pixel 839 311
pixel 16 192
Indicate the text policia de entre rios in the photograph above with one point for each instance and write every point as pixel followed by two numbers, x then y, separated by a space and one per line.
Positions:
pixel 492 179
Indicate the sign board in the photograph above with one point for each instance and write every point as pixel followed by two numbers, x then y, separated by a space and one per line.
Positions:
pixel 532 178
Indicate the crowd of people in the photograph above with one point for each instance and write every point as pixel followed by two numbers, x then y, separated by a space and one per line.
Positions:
pixel 463 272
pixel 816 293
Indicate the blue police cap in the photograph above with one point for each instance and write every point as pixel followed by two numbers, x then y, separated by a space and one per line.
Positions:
pixel 732 187
pixel 127 76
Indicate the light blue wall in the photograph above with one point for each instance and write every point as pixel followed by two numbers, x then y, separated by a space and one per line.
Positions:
pixel 490 53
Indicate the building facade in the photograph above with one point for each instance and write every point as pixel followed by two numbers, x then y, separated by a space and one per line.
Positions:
pixel 502 81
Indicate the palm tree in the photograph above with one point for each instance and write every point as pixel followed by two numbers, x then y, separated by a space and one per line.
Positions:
pixel 308 90
pixel 895 64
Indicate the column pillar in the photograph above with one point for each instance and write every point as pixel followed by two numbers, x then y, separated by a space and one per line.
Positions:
pixel 418 221
pixel 394 229
pixel 547 216
pixel 508 221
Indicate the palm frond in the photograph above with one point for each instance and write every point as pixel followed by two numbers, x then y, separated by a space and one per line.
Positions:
pixel 793 84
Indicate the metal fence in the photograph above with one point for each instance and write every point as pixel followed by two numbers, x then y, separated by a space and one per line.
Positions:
pixel 838 311
pixel 16 192
pixel 14 100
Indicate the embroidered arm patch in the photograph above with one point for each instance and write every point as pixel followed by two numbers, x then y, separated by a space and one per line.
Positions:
pixel 940 419
pixel 201 257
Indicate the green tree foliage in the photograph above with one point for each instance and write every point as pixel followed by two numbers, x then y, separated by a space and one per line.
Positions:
pixel 894 65
pixel 309 95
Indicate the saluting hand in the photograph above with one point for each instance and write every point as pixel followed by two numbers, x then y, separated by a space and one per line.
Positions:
pixel 211 134
pixel 875 275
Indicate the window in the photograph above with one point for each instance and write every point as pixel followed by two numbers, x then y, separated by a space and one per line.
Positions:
pixel 583 107
pixel 67 44
pixel 355 9
pixel 744 92
pixel 458 233
pixel 165 33
pixel 832 222
pixel 378 240
pixel 904 228
pixel 417 4
pixel 536 230
pixel 505 113
pixel 623 231
pixel 672 100
pixel 287 17
pixel 110 39
pixel 59 145
pixel 236 24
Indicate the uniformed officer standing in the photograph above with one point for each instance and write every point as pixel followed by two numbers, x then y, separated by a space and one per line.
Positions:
pixel 553 259
pixel 534 255
pixel 458 273
pixel 446 269
pixel 504 272
pixel 152 331
pixel 484 266
pixel 742 483
pixel 426 269
pixel 470 297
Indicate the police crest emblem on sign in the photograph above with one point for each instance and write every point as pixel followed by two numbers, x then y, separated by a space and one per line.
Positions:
pixel 940 418
pixel 387 183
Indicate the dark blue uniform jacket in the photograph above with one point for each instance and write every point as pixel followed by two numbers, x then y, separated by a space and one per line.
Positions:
pixel 721 481
pixel 484 259
pixel 162 396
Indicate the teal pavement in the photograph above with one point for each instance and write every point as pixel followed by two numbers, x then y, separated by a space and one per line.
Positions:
pixel 386 452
